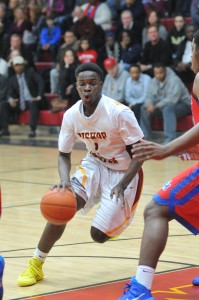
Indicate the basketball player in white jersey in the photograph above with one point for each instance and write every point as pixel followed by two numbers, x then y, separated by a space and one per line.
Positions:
pixel 106 175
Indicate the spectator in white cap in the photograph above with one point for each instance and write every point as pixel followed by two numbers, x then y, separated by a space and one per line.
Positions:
pixel 25 92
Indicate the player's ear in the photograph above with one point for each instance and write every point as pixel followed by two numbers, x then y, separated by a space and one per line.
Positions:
pixel 101 83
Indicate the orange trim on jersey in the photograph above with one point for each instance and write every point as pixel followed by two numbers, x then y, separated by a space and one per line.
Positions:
pixel 137 197
pixel 84 177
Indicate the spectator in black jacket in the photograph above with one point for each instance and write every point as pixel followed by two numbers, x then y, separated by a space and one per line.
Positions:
pixel 182 63
pixel 156 50
pixel 176 34
pixel 25 92
pixel 67 78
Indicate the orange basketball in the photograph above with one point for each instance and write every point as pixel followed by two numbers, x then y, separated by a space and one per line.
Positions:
pixel 58 206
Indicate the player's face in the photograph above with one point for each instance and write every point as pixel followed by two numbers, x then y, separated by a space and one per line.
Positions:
pixel 195 58
pixel 89 87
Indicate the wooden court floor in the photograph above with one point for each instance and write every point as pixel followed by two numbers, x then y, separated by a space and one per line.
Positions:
pixel 76 261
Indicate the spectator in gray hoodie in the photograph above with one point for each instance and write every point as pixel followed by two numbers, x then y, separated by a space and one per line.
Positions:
pixel 168 98
pixel 115 80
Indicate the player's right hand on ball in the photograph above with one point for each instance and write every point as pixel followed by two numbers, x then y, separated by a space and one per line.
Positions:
pixel 62 186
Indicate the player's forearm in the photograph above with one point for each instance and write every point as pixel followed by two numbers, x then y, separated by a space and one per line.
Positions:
pixel 187 140
pixel 131 172
pixel 64 167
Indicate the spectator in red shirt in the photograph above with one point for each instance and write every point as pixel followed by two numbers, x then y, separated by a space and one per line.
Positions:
pixel 86 53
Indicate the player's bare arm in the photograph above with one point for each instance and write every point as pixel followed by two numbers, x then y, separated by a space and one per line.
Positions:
pixel 149 150
pixel 118 190
pixel 64 167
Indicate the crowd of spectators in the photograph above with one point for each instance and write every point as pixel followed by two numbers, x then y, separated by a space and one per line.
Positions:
pixel 126 38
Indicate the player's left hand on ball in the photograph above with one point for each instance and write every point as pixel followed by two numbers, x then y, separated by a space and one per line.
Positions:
pixel 117 194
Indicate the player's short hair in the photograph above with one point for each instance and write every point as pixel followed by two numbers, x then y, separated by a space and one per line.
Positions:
pixel 89 67
pixel 196 38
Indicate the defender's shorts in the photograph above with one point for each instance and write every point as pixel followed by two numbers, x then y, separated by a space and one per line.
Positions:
pixel 93 182
pixel 181 195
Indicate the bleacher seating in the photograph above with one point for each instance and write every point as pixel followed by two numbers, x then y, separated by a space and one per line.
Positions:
pixel 183 124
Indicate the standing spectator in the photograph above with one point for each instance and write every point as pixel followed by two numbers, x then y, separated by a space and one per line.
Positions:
pixel 182 63
pixel 70 42
pixel 26 90
pixel 128 23
pixel 176 34
pixel 168 98
pixel 153 19
pixel 136 90
pixel 49 39
pixel 86 53
pixel 99 12
pixel 130 50
pixel 115 80
pixel 195 12
pixel 156 50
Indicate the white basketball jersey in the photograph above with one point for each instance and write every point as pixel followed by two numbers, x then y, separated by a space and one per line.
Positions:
pixel 105 133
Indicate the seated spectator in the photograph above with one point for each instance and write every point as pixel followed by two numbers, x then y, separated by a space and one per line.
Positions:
pixel 130 50
pixel 15 43
pixel 135 6
pixel 182 63
pixel 84 26
pixel 158 5
pixel 176 34
pixel 111 48
pixel 114 8
pixel 70 42
pixel 128 23
pixel 13 54
pixel 20 23
pixel 195 12
pixel 86 52
pixel 49 39
pixel 99 12
pixel 181 6
pixel 167 98
pixel 115 80
pixel 156 50
pixel 4 23
pixel 26 90
pixel 67 78
pixel 55 7
pixel 136 90
pixel 153 19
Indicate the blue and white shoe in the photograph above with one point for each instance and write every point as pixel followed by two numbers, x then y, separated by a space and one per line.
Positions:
pixel 136 291
pixel 195 281
pixel 2 265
